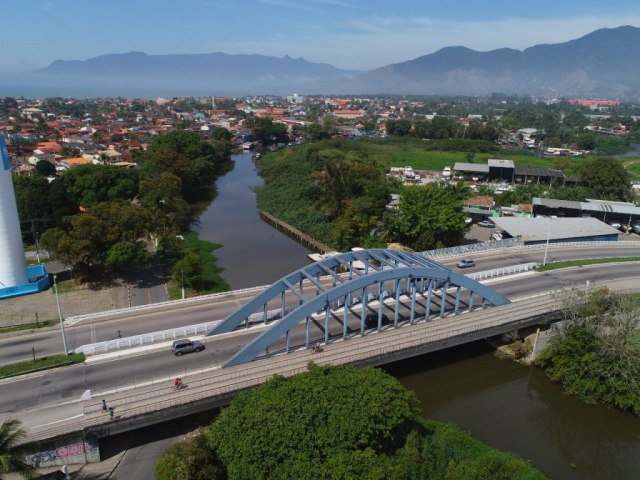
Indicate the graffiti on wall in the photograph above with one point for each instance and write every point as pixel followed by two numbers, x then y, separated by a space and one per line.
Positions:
pixel 65 454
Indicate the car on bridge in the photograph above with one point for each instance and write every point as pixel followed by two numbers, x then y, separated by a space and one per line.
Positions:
pixel 184 345
pixel 466 263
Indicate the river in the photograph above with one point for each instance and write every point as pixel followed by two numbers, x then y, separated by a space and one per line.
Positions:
pixel 501 403
pixel 252 253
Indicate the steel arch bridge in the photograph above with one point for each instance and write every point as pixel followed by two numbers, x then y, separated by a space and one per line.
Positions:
pixel 350 284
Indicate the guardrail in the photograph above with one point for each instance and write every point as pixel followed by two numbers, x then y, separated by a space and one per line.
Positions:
pixel 499 272
pixel 472 248
pixel 500 245
pixel 163 335
pixel 168 305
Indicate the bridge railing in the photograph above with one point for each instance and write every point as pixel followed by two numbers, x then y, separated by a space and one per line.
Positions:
pixel 471 248
pixel 163 335
pixel 499 272
pixel 168 305
pixel 516 244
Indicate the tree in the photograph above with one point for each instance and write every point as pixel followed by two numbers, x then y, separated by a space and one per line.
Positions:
pixel 314 133
pixel 606 178
pixel 297 427
pixel 427 217
pixel 91 184
pixel 190 459
pixel 125 254
pixel 46 168
pixel 10 460
pixel 188 269
pixel 595 354
pixel 399 128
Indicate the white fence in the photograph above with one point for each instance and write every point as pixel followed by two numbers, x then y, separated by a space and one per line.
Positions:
pixel 164 306
pixel 164 335
pixel 499 272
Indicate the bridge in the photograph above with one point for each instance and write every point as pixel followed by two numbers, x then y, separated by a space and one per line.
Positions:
pixel 352 275
pixel 432 307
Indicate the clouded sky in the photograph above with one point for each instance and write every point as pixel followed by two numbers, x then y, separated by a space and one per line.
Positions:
pixel 352 34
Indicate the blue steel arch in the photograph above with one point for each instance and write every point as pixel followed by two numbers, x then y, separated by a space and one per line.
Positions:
pixel 375 267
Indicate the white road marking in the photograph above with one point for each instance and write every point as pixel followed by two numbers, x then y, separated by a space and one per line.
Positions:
pixel 57 421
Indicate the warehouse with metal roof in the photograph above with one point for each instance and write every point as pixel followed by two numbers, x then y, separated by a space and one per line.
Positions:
pixel 539 229
pixel 624 213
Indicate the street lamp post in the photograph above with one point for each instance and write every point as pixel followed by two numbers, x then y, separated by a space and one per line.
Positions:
pixel 181 265
pixel 164 218
pixel 546 247
pixel 64 337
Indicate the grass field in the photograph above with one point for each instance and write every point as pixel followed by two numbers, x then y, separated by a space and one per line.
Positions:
pixel 423 160
pixel 633 167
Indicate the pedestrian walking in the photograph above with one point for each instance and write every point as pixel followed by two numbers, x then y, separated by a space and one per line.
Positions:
pixel 104 406
pixel 110 411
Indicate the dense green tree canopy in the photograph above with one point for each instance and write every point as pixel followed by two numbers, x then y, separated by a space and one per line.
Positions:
pixel 606 178
pixel 91 184
pixel 189 157
pixel 290 428
pixel 428 217
pixel 266 131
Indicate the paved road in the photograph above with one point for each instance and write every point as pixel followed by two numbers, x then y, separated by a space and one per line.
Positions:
pixel 19 348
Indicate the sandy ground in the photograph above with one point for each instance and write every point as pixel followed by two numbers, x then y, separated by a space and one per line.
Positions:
pixel 43 306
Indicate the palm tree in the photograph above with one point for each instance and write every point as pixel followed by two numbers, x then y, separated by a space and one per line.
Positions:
pixel 10 461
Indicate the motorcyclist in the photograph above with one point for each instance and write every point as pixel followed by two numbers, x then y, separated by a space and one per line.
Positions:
pixel 177 382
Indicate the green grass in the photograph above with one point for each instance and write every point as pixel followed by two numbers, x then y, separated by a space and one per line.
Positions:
pixel 212 281
pixel 29 326
pixel 582 262
pixel 45 363
pixel 427 160
pixel 633 167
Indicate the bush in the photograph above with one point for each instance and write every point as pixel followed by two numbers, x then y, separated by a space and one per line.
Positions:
pixel 190 459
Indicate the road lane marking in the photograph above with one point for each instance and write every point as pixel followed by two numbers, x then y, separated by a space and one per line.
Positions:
pixel 57 421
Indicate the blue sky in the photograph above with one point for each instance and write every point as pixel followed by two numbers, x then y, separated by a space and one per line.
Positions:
pixel 359 34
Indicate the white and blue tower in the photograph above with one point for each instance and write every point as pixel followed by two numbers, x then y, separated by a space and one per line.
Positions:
pixel 13 265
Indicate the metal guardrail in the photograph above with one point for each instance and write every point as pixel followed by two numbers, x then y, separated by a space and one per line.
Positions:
pixel 70 321
pixel 472 248
pixel 163 335
pixel 500 245
pixel 500 272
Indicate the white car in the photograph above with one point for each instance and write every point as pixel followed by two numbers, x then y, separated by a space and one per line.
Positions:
pixel 466 263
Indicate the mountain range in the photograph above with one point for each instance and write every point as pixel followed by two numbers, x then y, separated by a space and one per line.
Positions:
pixel 604 63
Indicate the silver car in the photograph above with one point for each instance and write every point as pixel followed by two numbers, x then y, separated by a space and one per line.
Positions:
pixel 184 345
pixel 466 263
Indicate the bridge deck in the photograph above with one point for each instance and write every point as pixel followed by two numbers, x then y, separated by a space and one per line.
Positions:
pixel 139 406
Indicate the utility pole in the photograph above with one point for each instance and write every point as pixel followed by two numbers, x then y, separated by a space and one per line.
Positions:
pixel 64 337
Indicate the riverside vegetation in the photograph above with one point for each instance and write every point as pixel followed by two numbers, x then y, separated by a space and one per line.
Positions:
pixel 596 355
pixel 337 191
pixel 334 423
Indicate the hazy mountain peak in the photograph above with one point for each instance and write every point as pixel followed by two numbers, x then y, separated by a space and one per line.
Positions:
pixel 602 63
